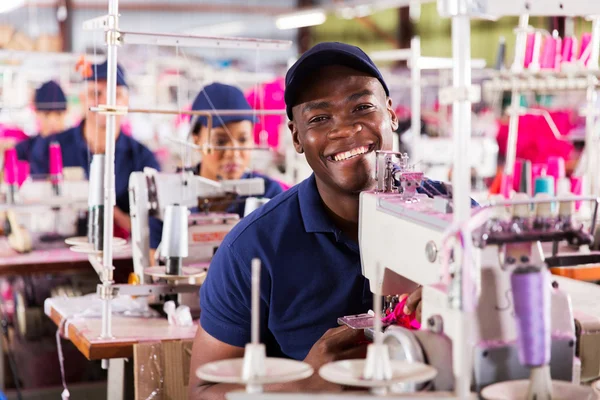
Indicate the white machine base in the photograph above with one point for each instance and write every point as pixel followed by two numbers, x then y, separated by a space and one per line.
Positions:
pixel 517 390
pixel 350 373
pixel 277 370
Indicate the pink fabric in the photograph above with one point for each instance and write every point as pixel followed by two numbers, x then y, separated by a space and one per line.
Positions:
pixel 397 317
pixel 9 132
pixel 10 166
pixel 535 141
pixel 268 97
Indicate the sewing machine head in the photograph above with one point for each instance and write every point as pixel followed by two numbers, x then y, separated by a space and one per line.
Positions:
pixel 502 239
pixel 188 239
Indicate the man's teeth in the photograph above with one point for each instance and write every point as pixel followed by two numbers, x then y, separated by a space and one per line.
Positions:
pixel 352 153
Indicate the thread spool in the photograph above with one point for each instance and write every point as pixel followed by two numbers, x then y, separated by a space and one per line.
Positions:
pixel 586 39
pixel 577 189
pixel 501 55
pixel 538 170
pixel 568 48
pixel 529 50
pixel 55 159
pixel 23 171
pixel 531 299
pixel 517 175
pixel 525 182
pixel 521 210
pixel 96 203
pixel 544 184
pixel 506 186
pixel 10 167
pixel 556 169
pixel 544 210
pixel 548 57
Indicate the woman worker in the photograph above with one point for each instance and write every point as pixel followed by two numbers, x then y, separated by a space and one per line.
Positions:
pixel 50 105
pixel 226 131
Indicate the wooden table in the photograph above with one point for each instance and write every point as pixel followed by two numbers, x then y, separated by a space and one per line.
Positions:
pixel 126 331
pixel 51 258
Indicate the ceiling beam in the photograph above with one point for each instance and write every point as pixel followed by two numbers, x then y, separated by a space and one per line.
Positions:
pixel 170 7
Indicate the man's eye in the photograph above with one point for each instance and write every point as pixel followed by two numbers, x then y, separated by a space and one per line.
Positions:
pixel 363 107
pixel 317 119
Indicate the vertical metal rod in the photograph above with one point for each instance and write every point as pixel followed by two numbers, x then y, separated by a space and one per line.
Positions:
pixel 461 181
pixel 255 310
pixel 415 97
pixel 109 176
pixel 595 44
pixel 591 159
pixel 513 124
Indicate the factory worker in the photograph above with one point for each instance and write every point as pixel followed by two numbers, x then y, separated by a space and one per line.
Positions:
pixel 226 131
pixel 307 238
pixel 89 137
pixel 50 106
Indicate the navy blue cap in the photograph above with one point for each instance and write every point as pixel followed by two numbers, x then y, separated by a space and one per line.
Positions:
pixel 100 73
pixel 323 55
pixel 50 97
pixel 218 96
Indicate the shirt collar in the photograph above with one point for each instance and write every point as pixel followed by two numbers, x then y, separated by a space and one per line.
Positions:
pixel 311 208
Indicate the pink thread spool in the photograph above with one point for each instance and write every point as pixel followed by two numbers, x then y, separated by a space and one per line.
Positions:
pixel 22 172
pixel 517 172
pixel 568 48
pixel 529 49
pixel 556 169
pixel 548 58
pixel 586 39
pixel 10 166
pixel 506 186
pixel 56 165
pixel 577 189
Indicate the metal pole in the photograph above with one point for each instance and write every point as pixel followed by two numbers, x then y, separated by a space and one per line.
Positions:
pixel 415 96
pixel 461 181
pixel 513 125
pixel 109 176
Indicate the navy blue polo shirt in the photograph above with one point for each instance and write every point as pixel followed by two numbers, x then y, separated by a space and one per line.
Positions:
pixel 311 276
pixel 130 156
pixel 272 189
pixel 24 148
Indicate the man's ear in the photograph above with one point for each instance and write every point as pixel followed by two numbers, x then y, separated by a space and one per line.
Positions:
pixel 295 137
pixel 392 113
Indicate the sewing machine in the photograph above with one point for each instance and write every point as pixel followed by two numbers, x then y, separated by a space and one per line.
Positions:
pixel 510 240
pixel 189 239
pixel 45 209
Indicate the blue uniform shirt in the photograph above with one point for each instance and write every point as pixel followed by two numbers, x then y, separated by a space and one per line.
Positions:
pixel 311 276
pixel 130 156
pixel 24 148
pixel 272 189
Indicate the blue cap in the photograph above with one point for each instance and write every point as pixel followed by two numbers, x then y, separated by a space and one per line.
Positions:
pixel 218 96
pixel 50 97
pixel 323 55
pixel 100 73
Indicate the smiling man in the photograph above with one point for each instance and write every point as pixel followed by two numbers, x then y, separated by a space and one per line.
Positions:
pixel 307 238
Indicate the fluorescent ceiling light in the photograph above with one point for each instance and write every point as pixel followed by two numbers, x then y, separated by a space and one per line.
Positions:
pixel 10 5
pixel 301 19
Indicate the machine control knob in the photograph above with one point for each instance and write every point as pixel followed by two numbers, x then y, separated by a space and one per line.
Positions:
pixel 431 251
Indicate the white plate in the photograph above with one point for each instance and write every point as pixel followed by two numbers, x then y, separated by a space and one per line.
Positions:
pixel 517 390
pixel 83 240
pixel 187 273
pixel 350 373
pixel 85 250
pixel 278 370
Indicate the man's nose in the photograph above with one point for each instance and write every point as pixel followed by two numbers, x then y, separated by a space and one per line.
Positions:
pixel 344 130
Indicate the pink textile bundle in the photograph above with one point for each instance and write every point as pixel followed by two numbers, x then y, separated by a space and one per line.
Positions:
pixel 398 317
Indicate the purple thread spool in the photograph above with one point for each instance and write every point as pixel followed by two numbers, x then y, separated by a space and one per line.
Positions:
pixel 531 298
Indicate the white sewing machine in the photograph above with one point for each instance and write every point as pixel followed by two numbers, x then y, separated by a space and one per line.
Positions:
pixel 412 222
pixel 190 236
pixel 45 209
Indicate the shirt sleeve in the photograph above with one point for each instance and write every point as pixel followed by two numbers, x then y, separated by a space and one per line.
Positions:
pixel 22 149
pixel 225 299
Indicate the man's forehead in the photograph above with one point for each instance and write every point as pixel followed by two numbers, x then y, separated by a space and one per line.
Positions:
pixel 328 86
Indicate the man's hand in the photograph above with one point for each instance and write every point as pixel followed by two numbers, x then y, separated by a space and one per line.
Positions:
pixel 341 343
pixel 414 304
